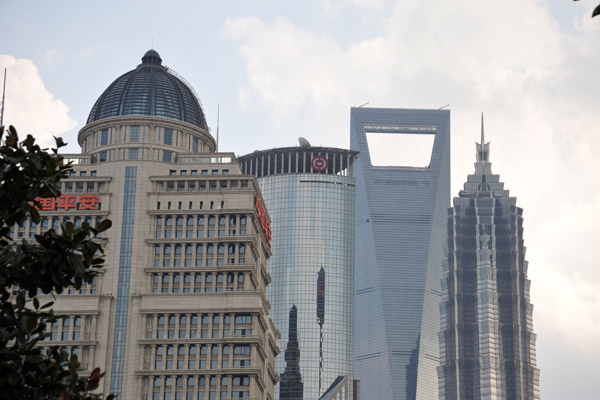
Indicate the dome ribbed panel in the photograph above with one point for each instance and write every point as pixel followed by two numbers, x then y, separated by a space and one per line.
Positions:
pixel 137 100
pixel 193 113
pixel 111 102
pixel 167 97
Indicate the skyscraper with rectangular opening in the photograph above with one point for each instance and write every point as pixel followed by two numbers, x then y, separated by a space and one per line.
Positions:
pixel 402 196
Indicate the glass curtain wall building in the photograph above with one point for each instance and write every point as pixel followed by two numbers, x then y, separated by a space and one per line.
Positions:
pixel 487 342
pixel 400 236
pixel 180 309
pixel 309 192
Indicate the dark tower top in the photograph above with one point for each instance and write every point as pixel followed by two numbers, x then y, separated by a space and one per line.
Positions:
pixel 321 297
pixel 487 343
pixel 153 90
pixel 291 386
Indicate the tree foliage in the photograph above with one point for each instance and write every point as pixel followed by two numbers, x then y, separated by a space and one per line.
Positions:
pixel 47 265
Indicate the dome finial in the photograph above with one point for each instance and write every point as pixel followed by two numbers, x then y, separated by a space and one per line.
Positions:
pixel 152 57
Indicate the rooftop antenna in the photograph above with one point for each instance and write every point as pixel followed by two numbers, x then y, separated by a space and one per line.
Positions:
pixel 3 92
pixel 364 104
pixel 482 137
pixel 218 111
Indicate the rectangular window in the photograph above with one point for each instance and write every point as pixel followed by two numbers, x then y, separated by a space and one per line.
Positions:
pixel 168 136
pixel 167 156
pixel 133 154
pixel 195 145
pixel 104 138
pixel 103 156
pixel 134 134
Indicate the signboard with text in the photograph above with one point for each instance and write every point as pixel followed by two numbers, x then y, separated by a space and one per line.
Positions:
pixel 264 220
pixel 69 202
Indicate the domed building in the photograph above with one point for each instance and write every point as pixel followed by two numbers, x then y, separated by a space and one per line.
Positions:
pixel 179 311
pixel 149 113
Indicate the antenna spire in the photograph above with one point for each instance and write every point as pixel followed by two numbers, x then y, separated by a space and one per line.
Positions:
pixel 3 92
pixel 482 135
pixel 218 112
pixel 483 148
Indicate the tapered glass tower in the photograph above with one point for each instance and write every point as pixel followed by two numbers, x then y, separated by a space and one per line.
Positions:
pixel 400 222
pixel 487 341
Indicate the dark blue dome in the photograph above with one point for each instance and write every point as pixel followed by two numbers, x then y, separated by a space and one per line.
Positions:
pixel 150 89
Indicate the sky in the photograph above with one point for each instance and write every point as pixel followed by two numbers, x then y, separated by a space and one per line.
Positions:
pixel 280 70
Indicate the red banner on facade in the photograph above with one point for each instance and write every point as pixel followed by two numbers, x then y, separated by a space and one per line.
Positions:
pixel 69 202
pixel 264 220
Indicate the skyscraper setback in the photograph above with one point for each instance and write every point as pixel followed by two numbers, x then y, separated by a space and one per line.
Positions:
pixel 487 341
pixel 400 222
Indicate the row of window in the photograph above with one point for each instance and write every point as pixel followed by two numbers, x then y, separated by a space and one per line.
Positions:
pixel 182 326
pixel 212 205
pixel 82 173
pixel 72 327
pixel 199 255
pixel 54 222
pixel 200 220
pixel 197 283
pixel 194 356
pixel 135 154
pixel 85 354
pixel 184 172
pixel 137 134
pixel 211 387
pixel 82 187
pixel 199 226
pixel 190 185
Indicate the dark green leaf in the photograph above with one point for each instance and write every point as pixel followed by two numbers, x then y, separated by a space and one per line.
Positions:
pixel 104 225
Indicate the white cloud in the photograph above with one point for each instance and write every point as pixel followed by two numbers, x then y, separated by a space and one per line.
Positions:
pixel 537 84
pixel 29 106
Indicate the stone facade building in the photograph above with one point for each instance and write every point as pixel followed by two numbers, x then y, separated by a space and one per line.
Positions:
pixel 180 309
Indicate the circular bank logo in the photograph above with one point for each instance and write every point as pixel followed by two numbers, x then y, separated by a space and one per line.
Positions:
pixel 319 163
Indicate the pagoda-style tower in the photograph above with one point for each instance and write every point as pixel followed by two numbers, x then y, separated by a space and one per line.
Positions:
pixel 292 387
pixel 487 344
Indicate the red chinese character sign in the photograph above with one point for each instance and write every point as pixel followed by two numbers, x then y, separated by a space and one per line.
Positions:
pixel 264 220
pixel 319 163
pixel 69 202
pixel 89 202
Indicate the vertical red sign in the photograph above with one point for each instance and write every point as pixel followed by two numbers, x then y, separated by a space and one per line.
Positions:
pixel 264 220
